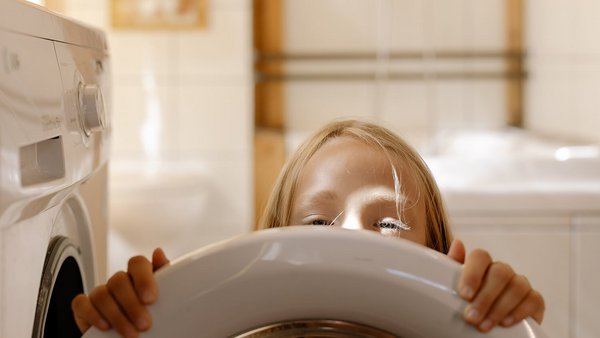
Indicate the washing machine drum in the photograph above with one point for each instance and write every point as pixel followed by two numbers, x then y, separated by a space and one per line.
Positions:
pixel 313 282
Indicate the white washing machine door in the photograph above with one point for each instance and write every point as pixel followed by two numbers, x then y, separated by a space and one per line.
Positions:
pixel 313 282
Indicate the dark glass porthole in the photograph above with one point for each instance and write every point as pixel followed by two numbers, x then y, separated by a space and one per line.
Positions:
pixel 59 318
pixel 61 281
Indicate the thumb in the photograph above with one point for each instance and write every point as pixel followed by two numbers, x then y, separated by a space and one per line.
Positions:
pixel 159 259
pixel 457 251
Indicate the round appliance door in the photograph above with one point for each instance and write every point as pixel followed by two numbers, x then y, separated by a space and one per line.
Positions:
pixel 313 282
pixel 68 270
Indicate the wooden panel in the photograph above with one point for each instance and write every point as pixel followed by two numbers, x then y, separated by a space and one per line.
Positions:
pixel 268 38
pixel 269 156
pixel 269 145
pixel 268 26
pixel 514 41
pixel 268 104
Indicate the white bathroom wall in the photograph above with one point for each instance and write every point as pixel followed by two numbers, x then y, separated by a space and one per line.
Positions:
pixel 181 170
pixel 415 108
pixel 563 63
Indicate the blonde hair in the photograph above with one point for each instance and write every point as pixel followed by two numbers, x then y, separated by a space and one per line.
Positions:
pixel 277 212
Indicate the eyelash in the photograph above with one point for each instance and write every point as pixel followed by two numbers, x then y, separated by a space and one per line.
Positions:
pixel 386 223
pixel 392 224
pixel 319 222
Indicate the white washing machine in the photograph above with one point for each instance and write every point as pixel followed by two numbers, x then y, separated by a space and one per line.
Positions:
pixel 54 138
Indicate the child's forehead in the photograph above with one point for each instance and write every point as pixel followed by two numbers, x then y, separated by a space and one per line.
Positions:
pixel 343 151
pixel 348 163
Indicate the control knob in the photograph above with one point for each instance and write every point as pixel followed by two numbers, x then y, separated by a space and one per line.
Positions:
pixel 91 106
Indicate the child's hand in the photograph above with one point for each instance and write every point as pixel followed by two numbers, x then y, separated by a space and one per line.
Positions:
pixel 496 294
pixel 121 302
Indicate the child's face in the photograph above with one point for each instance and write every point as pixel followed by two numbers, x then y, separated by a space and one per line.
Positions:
pixel 351 184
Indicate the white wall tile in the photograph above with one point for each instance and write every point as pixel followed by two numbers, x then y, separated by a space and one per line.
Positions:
pixel 446 25
pixel 485 104
pixel 407 25
pixel 223 50
pixel 449 99
pixel 587 276
pixel 144 122
pixel 330 25
pixel 405 105
pixel 485 24
pixel 309 105
pixel 528 247
pixel 585 119
pixel 214 119
pixel 549 26
pixel 550 98
pixel 230 5
pixel 586 27
pixel 137 54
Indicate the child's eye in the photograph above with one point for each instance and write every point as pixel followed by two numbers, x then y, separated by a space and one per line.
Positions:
pixel 392 224
pixel 319 222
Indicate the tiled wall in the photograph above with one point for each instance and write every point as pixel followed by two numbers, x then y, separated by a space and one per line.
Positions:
pixel 415 108
pixel 183 122
pixel 563 88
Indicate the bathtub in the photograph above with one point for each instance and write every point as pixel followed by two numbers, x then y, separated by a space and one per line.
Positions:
pixel 514 170
pixel 533 202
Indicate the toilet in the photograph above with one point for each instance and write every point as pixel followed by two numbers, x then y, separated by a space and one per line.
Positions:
pixel 313 282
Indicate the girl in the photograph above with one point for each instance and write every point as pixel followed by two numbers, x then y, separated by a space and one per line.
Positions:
pixel 355 175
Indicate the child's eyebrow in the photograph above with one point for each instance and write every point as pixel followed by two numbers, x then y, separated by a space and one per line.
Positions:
pixel 319 197
pixel 372 194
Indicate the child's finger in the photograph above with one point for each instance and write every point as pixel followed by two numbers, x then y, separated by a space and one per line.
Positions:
pixel 86 314
pixel 496 279
pixel 457 251
pixel 159 259
pixel 141 271
pixel 104 302
pixel 510 298
pixel 532 306
pixel 121 288
pixel 474 269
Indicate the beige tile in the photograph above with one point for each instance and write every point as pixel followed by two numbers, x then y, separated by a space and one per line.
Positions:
pixel 230 5
pixel 144 122
pixel 485 24
pixel 223 49
pixel 485 106
pixel 587 277
pixel 586 26
pixel 407 25
pixel 447 26
pixel 550 26
pixel 538 250
pixel 550 99
pixel 137 54
pixel 586 115
pixel 330 25
pixel 309 105
pixel 449 100
pixel 214 118
pixel 405 106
